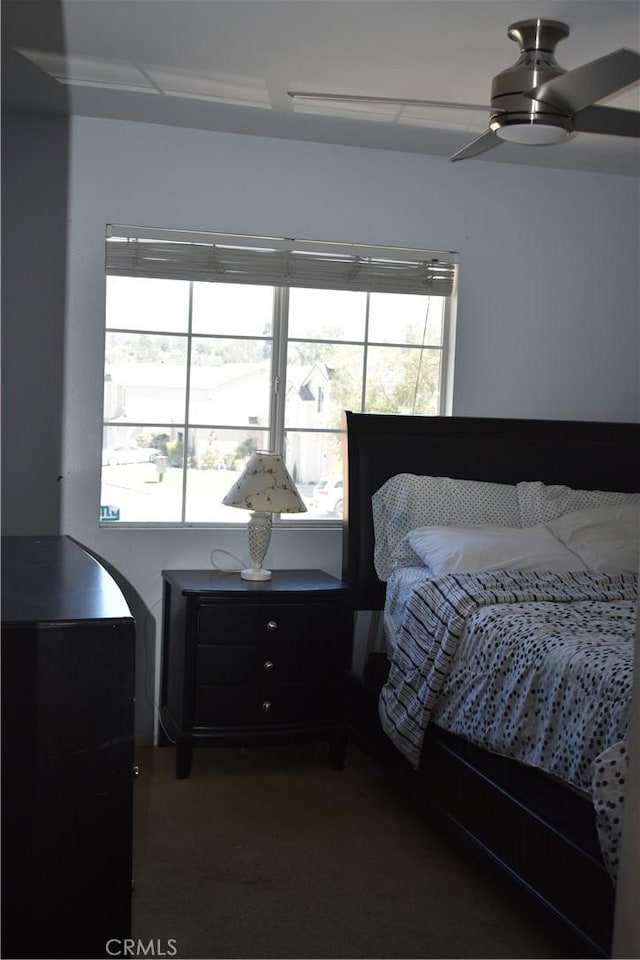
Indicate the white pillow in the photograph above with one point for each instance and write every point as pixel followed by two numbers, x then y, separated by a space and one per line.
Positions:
pixel 407 501
pixel 605 538
pixel 541 502
pixel 472 549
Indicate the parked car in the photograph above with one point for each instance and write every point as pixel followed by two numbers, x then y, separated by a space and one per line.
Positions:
pixel 128 453
pixel 327 495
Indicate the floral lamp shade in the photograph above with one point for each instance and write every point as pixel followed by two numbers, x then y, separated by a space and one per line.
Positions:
pixel 265 484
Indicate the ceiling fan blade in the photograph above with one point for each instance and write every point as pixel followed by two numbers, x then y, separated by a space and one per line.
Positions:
pixel 405 101
pixel 585 85
pixel 610 120
pixel 487 141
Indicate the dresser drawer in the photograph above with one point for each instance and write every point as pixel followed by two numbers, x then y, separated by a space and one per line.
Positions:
pixel 253 623
pixel 270 663
pixel 259 706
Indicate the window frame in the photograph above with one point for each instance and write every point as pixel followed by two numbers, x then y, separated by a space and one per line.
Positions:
pixel 278 364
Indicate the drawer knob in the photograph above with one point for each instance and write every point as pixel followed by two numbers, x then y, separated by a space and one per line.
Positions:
pixel 266 705
pixel 272 625
pixel 268 665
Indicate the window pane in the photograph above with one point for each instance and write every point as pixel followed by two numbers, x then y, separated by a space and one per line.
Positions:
pixel 323 379
pixel 314 460
pixel 403 380
pixel 327 314
pixel 137 303
pixel 405 318
pixel 141 478
pixel 230 382
pixel 216 460
pixel 145 378
pixel 232 309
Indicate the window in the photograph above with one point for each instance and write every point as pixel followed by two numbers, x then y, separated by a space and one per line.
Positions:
pixel 217 346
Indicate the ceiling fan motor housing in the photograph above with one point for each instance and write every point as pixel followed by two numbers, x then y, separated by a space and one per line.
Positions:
pixel 514 116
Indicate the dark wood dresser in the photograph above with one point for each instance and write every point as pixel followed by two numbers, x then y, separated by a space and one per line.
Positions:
pixel 248 662
pixel 68 643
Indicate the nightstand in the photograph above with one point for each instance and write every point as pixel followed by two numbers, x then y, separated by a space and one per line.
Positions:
pixel 248 663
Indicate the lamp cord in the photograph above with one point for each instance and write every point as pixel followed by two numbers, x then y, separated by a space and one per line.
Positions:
pixel 228 554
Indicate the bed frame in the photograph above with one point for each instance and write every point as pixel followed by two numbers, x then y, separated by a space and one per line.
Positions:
pixel 537 831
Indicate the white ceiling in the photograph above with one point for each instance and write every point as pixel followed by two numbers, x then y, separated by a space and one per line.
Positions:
pixel 227 65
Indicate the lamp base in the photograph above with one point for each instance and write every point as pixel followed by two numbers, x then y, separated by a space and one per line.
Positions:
pixel 259 533
pixel 255 574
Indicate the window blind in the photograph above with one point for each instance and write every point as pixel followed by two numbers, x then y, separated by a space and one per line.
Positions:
pixel 292 263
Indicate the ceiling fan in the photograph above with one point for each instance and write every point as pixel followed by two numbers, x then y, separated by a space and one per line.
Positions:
pixel 535 101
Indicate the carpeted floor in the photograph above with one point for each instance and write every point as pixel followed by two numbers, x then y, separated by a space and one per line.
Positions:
pixel 268 852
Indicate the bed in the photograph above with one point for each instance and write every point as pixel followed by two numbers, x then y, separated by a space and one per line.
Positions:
pixel 546 832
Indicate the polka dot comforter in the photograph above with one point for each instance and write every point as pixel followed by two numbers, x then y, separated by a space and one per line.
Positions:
pixel 533 666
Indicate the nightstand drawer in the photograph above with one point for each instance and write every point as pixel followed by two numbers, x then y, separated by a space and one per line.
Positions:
pixel 252 623
pixel 271 663
pixel 262 705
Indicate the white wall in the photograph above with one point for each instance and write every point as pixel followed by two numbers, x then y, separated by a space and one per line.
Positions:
pixel 547 310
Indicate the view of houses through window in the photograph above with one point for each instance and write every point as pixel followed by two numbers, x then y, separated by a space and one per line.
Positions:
pixel 199 374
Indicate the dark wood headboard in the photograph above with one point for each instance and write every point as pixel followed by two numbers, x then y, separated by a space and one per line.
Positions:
pixel 587 456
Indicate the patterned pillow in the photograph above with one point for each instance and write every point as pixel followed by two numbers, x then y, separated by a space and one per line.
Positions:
pixel 540 502
pixel 407 501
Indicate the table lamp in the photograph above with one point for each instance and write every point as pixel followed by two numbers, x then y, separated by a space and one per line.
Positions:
pixel 264 487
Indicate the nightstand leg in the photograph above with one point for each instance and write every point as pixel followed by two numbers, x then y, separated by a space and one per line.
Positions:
pixel 184 756
pixel 338 747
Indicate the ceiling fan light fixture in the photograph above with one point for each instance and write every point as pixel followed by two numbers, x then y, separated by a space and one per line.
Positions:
pixel 532 132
